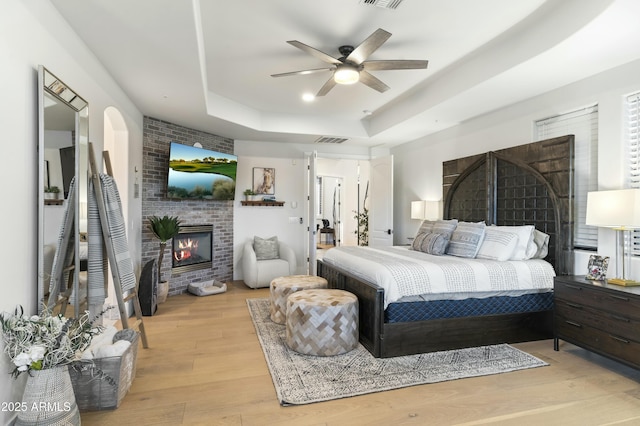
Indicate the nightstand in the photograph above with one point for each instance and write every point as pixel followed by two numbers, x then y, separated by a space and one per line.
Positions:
pixel 601 317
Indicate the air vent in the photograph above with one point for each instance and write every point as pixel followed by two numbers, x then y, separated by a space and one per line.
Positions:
pixel 327 139
pixel 385 4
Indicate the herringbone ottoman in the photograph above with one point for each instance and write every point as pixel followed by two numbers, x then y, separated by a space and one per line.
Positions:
pixel 322 322
pixel 282 287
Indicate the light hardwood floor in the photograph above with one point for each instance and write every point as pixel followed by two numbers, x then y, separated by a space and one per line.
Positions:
pixel 205 367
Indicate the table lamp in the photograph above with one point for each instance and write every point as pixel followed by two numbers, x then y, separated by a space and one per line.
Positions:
pixel 423 209
pixel 619 210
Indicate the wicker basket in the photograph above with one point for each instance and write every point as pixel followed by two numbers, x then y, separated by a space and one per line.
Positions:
pixel 101 384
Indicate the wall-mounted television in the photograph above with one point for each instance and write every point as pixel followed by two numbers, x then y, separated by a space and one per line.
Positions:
pixel 198 173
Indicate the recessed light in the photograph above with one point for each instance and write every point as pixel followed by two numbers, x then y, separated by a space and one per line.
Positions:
pixel 308 97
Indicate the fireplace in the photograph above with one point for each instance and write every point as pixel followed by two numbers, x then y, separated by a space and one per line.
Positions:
pixel 192 248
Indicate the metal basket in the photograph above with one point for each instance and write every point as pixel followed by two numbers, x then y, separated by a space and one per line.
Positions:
pixel 102 383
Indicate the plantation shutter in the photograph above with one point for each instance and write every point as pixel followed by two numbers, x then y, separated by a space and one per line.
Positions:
pixel 632 146
pixel 583 124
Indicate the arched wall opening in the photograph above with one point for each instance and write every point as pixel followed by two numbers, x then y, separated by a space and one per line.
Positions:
pixel 116 143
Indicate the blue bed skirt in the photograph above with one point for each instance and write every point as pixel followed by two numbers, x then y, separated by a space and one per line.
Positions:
pixel 440 309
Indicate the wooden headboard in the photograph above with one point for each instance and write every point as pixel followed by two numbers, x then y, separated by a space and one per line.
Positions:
pixel 529 184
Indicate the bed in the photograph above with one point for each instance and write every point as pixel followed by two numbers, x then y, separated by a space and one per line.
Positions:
pixel 529 184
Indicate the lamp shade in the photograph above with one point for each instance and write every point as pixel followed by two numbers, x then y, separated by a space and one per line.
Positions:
pixel 417 209
pixel 432 210
pixel 614 209
pixel 424 209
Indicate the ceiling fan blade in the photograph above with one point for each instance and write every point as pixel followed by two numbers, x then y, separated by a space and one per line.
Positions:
pixel 367 47
pixel 372 82
pixel 394 65
pixel 303 72
pixel 327 86
pixel 314 52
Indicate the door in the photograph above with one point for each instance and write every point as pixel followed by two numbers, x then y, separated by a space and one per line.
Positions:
pixel 312 208
pixel 337 213
pixel 381 202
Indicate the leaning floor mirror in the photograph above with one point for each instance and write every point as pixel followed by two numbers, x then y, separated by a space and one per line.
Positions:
pixel 63 130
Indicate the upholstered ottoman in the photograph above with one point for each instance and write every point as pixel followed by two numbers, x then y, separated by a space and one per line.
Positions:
pixel 322 322
pixel 282 287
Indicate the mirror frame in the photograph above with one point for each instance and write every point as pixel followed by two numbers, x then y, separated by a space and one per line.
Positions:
pixel 49 84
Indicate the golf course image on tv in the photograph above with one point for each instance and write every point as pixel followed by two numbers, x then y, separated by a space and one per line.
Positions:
pixel 198 173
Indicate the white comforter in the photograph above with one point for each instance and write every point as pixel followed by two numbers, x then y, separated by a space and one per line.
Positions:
pixel 402 272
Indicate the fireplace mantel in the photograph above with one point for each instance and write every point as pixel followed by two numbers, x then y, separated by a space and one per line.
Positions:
pixel 263 203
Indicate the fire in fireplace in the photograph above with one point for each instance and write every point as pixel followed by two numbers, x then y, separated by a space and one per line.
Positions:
pixel 192 248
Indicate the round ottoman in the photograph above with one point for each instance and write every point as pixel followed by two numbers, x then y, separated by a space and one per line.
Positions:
pixel 282 287
pixel 322 322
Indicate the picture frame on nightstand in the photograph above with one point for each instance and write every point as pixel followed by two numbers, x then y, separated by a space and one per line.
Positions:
pixel 597 267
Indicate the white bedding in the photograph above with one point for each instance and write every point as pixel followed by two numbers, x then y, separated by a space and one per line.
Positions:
pixel 402 272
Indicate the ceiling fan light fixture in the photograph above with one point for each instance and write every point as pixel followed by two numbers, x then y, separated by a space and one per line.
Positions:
pixel 346 74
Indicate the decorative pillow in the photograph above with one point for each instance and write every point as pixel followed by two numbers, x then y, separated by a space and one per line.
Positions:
pixel 524 249
pixel 445 227
pixel 542 244
pixel 497 244
pixel 266 248
pixel 426 227
pixel 430 243
pixel 466 239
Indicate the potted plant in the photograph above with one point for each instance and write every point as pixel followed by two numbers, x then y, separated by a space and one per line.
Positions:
pixel 51 192
pixel 44 346
pixel 164 228
pixel 248 194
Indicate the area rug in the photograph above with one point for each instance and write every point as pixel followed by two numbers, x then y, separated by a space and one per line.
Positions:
pixel 303 379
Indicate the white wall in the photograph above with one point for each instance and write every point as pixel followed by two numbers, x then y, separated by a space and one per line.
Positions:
pixel 267 221
pixel 418 165
pixel 32 33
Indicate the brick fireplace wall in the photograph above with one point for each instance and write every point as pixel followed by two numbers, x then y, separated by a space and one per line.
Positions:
pixel 157 136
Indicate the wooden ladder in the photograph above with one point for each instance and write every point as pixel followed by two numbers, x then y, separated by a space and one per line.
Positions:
pixel 106 235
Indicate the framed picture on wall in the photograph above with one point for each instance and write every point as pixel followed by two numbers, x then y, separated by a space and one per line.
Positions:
pixel 264 180
pixel 597 268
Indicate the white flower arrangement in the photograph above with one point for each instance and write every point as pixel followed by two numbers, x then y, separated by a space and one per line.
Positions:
pixel 45 341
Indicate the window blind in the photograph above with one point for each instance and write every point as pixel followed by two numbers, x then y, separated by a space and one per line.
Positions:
pixel 583 124
pixel 632 118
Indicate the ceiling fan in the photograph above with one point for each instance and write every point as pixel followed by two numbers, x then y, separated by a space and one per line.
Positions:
pixel 352 66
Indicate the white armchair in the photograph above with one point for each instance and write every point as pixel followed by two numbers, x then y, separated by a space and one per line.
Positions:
pixel 259 273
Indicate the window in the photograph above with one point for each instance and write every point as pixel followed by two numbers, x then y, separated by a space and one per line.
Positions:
pixel 583 124
pixel 632 127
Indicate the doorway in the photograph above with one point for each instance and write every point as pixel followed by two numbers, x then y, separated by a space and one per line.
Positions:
pixel 351 174
pixel 116 143
pixel 329 211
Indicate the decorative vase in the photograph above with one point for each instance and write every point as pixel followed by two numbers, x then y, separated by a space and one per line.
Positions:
pixel 163 290
pixel 49 399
